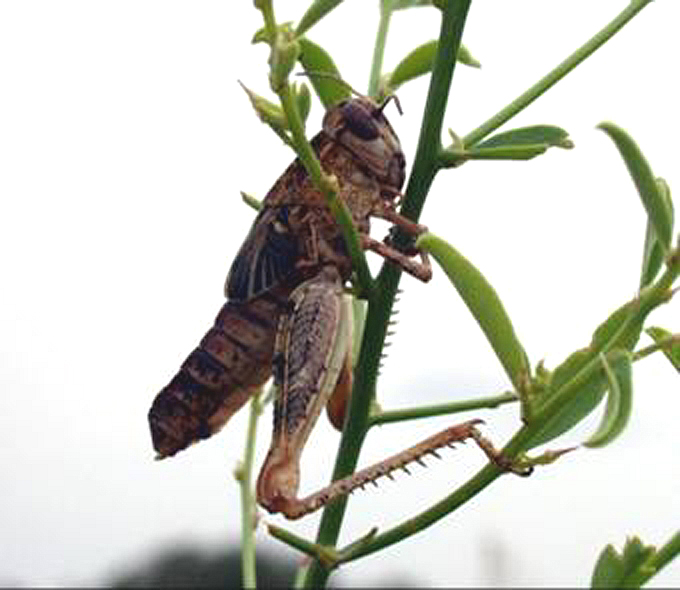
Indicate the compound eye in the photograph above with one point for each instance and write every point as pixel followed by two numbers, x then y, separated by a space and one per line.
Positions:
pixel 359 121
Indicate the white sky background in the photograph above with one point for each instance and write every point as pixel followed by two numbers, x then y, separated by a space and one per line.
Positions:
pixel 124 142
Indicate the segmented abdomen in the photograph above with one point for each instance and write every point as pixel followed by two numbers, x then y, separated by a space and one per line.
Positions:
pixel 233 359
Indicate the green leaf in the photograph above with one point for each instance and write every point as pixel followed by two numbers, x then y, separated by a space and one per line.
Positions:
pixel 584 395
pixel 619 401
pixel 303 101
pixel 614 570
pixel 484 304
pixel 328 85
pixel 270 113
pixel 316 11
pixel 452 157
pixel 650 193
pixel 617 331
pixel 653 252
pixel 466 58
pixel 418 63
pixel 673 351
pixel 522 143
pixel 251 201
pixel 319 65
pixel 534 134
pixel 580 379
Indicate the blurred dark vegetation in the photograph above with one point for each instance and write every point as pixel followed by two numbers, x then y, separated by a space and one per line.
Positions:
pixel 193 566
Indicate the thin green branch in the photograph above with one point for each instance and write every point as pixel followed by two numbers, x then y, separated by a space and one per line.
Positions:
pixel 379 47
pixel 556 74
pixel 389 416
pixel 248 507
pixel 428 517
pixel 664 344
pixel 328 555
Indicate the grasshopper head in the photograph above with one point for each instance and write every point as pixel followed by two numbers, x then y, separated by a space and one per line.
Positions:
pixel 360 126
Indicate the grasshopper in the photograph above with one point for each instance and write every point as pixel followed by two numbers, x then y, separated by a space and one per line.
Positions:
pixel 285 312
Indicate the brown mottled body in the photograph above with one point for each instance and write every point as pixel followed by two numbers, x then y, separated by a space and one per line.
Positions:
pixel 233 359
pixel 293 236
pixel 286 313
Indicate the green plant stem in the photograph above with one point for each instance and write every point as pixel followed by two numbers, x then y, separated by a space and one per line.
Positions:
pixel 666 343
pixel 555 75
pixel 379 308
pixel 328 555
pixel 389 416
pixel 428 517
pixel 379 47
pixel 248 508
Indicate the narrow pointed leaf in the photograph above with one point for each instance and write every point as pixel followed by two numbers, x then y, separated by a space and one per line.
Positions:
pixel 316 11
pixel 484 304
pixel 316 60
pixel 619 400
pixel 270 113
pixel 415 64
pixel 650 193
pixel 673 352
pixel 419 62
pixel 584 394
pixel 580 380
pixel 608 571
pixel 303 101
pixel 251 201
pixel 653 252
pixel 450 158
pixel 534 134
pixel 466 58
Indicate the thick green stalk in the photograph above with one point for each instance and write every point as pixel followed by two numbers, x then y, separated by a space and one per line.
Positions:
pixel 555 75
pixel 380 306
